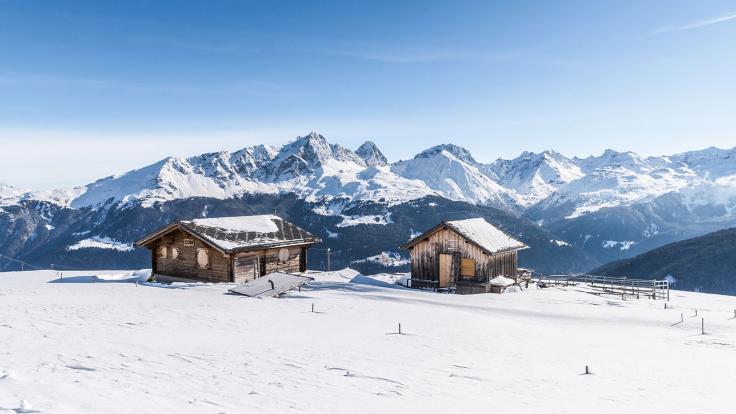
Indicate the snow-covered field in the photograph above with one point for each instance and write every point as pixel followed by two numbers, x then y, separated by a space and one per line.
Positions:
pixel 93 346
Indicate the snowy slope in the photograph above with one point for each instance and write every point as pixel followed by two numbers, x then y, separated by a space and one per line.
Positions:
pixel 114 347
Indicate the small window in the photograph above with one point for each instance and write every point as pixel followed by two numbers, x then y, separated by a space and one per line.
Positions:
pixel 453 245
pixel 284 255
pixel 189 242
pixel 203 259
pixel 174 253
pixel 163 252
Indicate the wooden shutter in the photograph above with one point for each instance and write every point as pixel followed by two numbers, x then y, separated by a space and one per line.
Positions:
pixel 467 268
pixel 203 259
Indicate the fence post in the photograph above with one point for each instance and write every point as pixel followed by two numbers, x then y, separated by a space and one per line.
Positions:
pixel 702 326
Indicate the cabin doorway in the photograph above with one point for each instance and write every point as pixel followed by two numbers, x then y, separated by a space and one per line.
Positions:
pixel 445 270
pixel 247 268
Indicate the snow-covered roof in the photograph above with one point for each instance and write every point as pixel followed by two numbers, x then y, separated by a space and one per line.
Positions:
pixel 241 233
pixel 485 235
pixel 257 224
pixel 478 231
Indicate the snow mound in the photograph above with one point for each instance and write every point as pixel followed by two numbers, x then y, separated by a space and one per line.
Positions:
pixel 502 281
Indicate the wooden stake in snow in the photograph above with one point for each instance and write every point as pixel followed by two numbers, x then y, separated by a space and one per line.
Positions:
pixel 313 308
pixel 587 371
pixel 328 259
pixel 682 320
pixel 399 328
pixel 696 312
pixel 702 326
pixel 665 305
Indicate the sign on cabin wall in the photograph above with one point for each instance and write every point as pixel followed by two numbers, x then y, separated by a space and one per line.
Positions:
pixel 189 242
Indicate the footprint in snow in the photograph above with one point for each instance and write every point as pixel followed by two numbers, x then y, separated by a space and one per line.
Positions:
pixel 453 375
pixel 6 374
pixel 348 373
pixel 81 368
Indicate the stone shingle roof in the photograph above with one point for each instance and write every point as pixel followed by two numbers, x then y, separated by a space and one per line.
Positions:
pixel 242 233
pixel 249 232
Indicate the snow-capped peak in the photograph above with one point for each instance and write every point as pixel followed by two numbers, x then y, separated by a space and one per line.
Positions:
pixel 456 150
pixel 455 178
pixel 372 156
pixel 534 176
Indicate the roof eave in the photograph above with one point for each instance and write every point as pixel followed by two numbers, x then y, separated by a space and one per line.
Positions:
pixel 415 240
pixel 270 246
pixel 144 242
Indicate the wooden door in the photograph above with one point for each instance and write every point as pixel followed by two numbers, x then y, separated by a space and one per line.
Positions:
pixel 445 270
pixel 246 268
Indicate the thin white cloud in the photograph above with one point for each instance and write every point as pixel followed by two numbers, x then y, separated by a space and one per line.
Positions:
pixel 236 87
pixel 693 25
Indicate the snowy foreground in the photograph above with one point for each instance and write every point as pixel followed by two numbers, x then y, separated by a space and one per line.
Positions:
pixel 90 345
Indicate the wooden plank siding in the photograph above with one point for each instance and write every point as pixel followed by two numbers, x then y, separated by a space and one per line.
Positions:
pixel 185 265
pixel 251 265
pixel 425 263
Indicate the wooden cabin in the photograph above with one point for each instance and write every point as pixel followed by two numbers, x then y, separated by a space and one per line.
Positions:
pixel 227 249
pixel 471 256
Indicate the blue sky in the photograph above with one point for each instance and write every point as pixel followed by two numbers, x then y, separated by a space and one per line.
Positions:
pixel 93 88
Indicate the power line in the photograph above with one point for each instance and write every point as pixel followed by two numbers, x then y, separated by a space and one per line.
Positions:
pixel 12 259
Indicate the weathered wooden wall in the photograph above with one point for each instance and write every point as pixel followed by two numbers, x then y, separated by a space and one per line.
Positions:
pixel 185 265
pixel 250 265
pixel 425 257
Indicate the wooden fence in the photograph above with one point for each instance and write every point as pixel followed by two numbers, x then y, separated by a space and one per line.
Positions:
pixel 655 289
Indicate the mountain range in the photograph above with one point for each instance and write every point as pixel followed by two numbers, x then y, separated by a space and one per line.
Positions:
pixel 575 213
